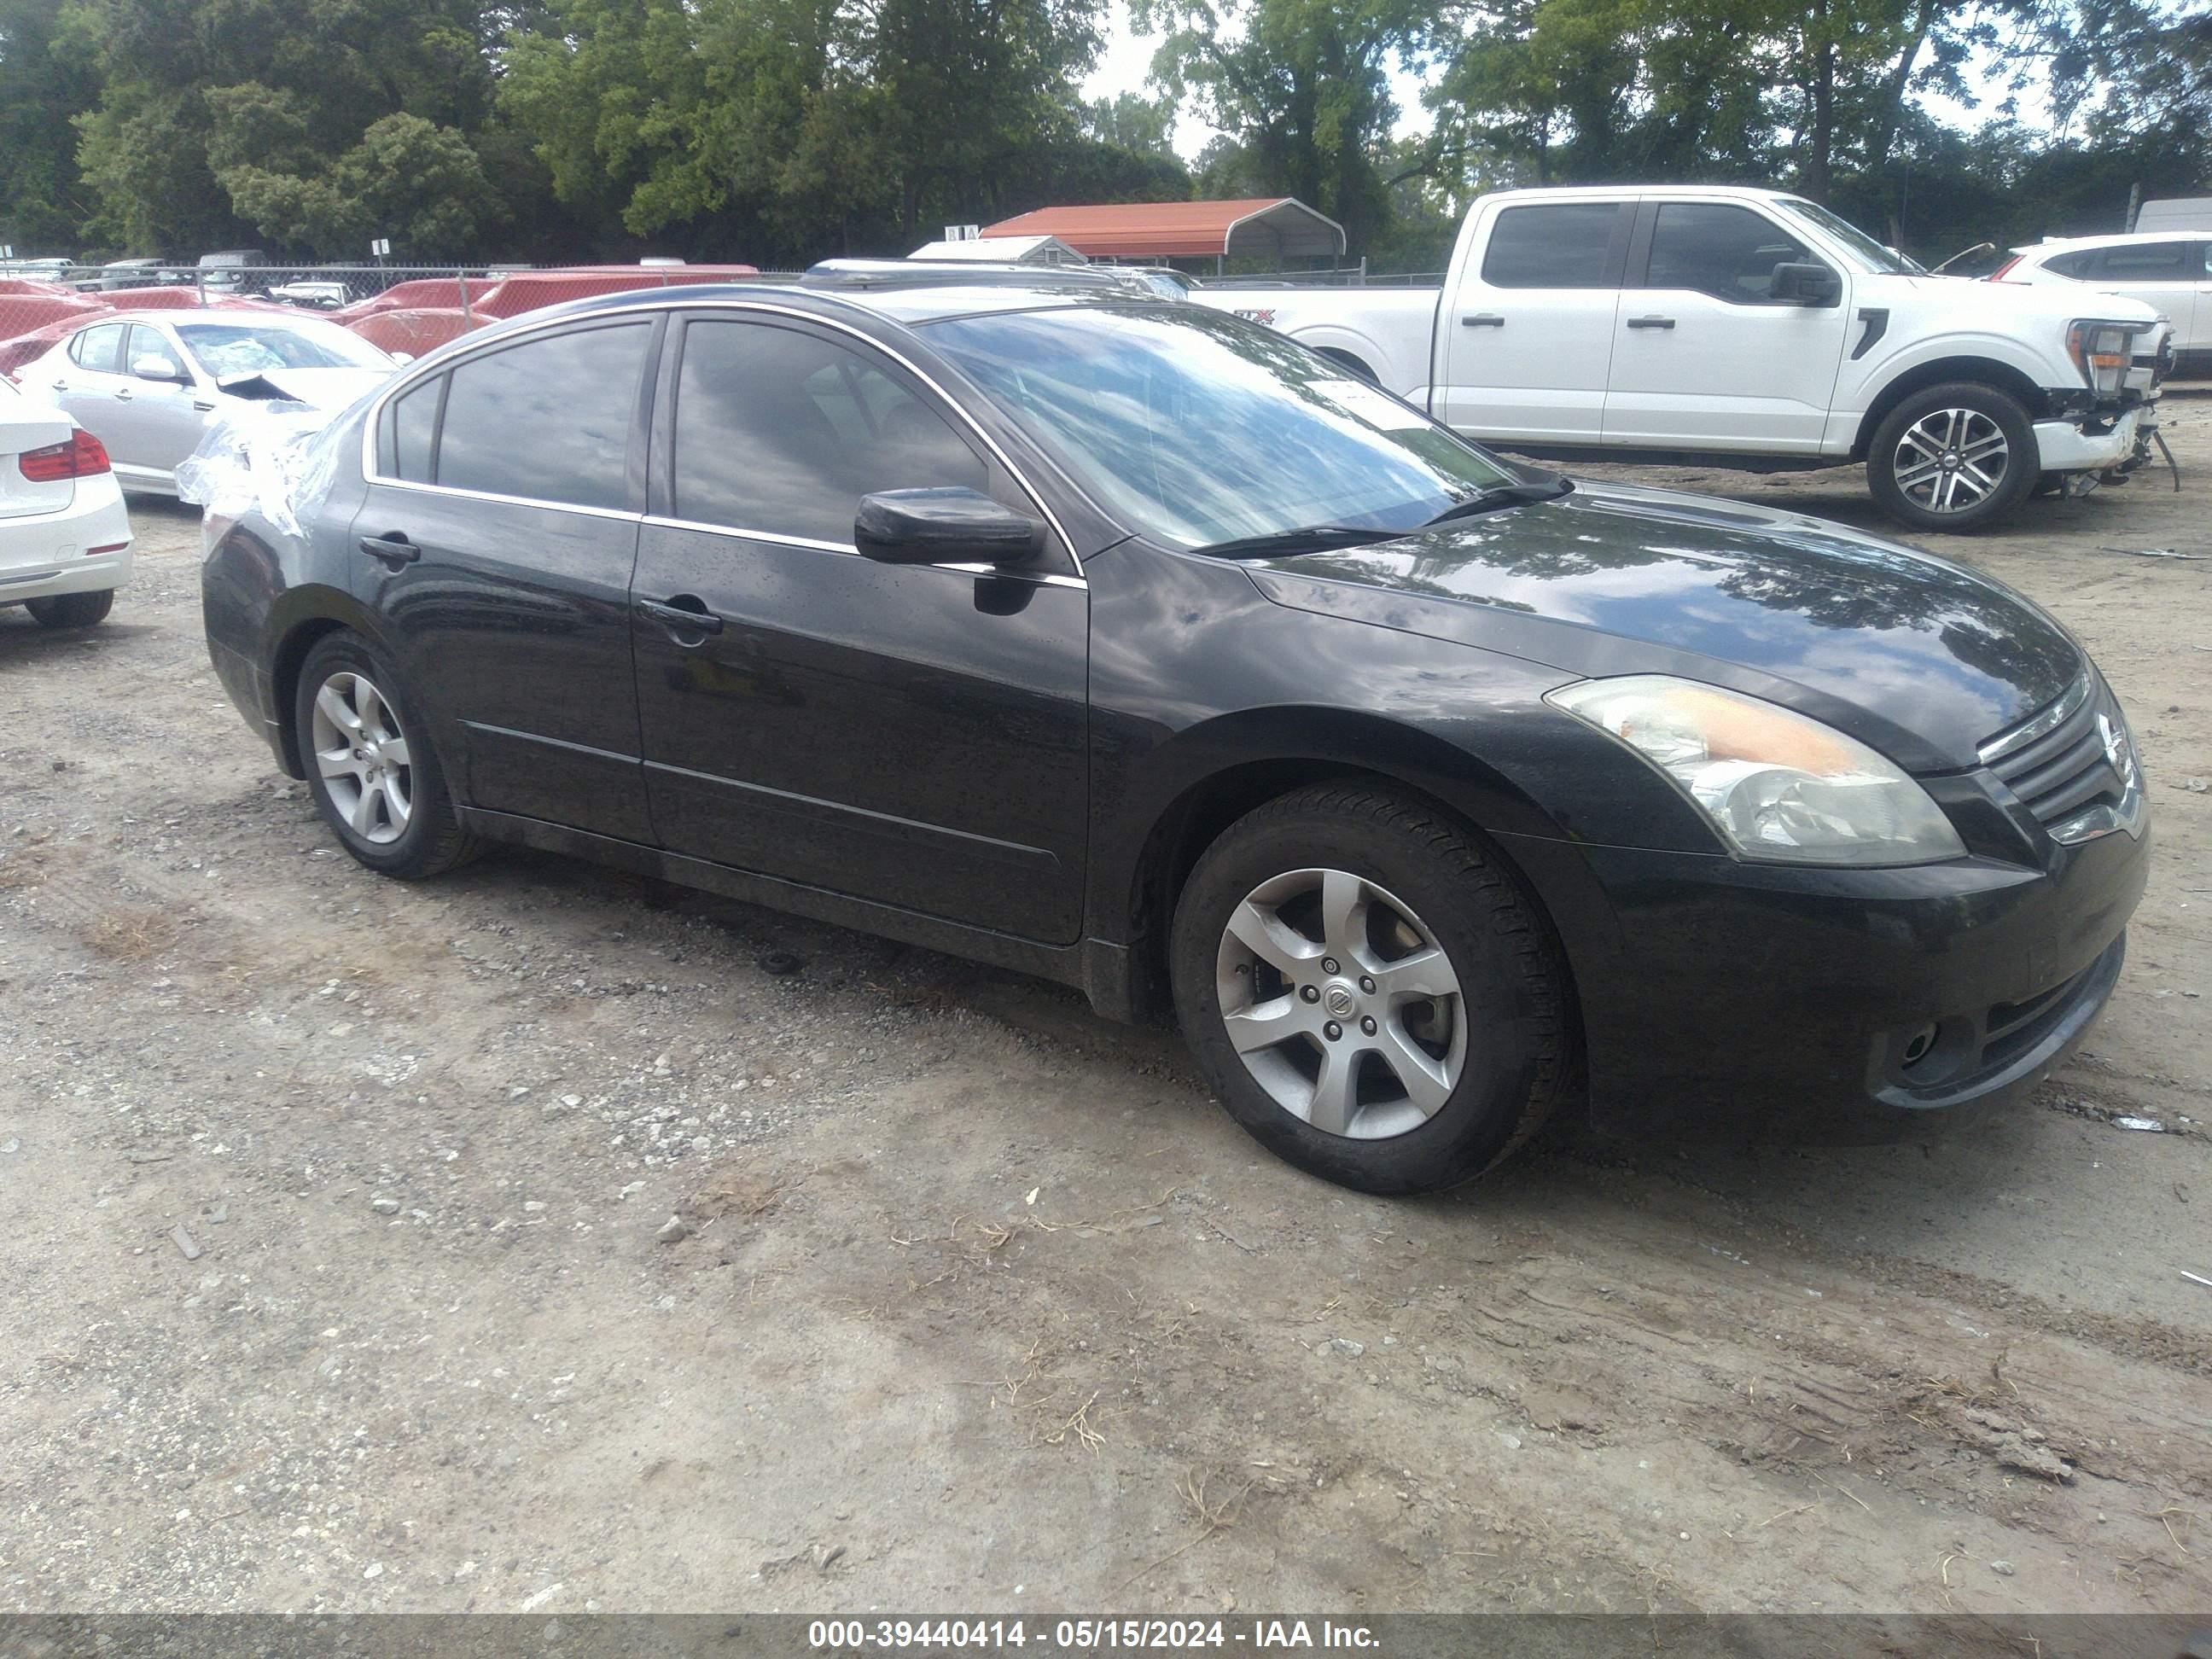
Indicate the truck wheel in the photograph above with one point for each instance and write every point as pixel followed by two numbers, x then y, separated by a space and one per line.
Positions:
pixel 1953 457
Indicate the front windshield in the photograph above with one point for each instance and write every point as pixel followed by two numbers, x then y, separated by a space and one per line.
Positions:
pixel 228 348
pixel 1195 428
pixel 1870 254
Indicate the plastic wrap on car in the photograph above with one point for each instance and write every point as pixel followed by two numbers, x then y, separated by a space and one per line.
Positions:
pixel 276 457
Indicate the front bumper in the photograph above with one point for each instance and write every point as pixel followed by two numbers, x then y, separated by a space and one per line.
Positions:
pixel 2064 446
pixel 1721 998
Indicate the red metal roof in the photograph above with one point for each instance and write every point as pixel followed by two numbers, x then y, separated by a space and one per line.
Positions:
pixel 1260 225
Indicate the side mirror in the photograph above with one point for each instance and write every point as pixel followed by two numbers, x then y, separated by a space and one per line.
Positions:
pixel 1805 285
pixel 945 525
pixel 150 367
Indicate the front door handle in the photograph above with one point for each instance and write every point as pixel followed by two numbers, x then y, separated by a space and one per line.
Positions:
pixel 394 548
pixel 686 613
pixel 123 394
pixel 1651 322
pixel 1482 319
pixel 61 385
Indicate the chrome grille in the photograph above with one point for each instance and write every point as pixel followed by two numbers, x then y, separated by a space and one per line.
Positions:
pixel 2071 764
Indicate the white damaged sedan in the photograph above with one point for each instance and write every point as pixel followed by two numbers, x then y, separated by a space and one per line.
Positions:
pixel 65 536
pixel 148 384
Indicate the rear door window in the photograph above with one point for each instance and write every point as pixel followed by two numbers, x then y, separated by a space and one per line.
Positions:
pixel 1716 248
pixel 2077 265
pixel 547 420
pixel 782 431
pixel 1556 244
pixel 100 349
pixel 2145 262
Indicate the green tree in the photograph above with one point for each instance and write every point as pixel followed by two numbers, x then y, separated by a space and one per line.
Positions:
pixel 41 197
pixel 222 118
pixel 1129 121
pixel 1302 88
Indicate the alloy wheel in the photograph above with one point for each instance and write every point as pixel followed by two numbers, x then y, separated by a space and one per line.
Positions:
pixel 362 753
pixel 1951 460
pixel 1341 1004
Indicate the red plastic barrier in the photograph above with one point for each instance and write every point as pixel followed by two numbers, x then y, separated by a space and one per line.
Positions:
pixel 532 290
pixel 425 293
pixel 169 296
pixel 415 330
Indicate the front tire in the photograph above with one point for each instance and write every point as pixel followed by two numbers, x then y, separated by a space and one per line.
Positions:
pixel 1954 457
pixel 72 610
pixel 1368 992
pixel 374 776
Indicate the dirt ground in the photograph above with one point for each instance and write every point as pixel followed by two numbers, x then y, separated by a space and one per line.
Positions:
pixel 331 1208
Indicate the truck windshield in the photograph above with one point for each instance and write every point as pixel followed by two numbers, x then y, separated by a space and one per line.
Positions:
pixel 1197 428
pixel 1870 254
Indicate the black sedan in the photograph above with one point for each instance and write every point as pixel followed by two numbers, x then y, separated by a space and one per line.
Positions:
pixel 1127 644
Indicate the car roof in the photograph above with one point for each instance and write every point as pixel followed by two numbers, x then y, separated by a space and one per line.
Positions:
pixel 1655 192
pixel 909 304
pixel 271 317
pixel 2052 244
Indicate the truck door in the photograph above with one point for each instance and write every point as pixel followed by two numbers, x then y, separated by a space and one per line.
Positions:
pixel 1527 335
pixel 1704 357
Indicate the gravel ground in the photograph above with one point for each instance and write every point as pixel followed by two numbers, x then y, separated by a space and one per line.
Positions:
pixel 336 1231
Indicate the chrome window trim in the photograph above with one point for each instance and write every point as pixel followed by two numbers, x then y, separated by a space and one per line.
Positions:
pixel 2055 715
pixel 506 500
pixel 436 366
pixel 1042 578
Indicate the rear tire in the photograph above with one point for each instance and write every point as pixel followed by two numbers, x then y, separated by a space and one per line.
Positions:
pixel 1953 458
pixel 72 610
pixel 1382 920
pixel 370 767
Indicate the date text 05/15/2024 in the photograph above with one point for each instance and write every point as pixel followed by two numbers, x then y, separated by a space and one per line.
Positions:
pixel 1072 1635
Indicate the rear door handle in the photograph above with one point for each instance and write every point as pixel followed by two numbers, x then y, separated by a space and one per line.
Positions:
pixel 1651 322
pixel 121 394
pixel 394 548
pixel 1482 319
pixel 686 612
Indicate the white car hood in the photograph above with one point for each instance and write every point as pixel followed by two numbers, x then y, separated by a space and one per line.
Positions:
pixel 318 388
pixel 2022 303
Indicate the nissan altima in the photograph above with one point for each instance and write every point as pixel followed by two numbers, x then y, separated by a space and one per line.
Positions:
pixel 1125 643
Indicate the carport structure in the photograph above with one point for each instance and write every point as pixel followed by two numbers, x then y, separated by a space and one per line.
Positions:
pixel 1278 228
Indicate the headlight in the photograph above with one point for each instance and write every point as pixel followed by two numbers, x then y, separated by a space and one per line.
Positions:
pixel 1779 787
pixel 2100 350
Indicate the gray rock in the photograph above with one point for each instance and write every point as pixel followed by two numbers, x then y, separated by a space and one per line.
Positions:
pixel 385 1206
pixel 673 1230
pixel 186 1243
pixel 1345 1345
pixel 2003 1569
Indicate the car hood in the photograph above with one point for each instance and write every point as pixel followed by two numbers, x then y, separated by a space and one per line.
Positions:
pixel 321 388
pixel 1998 303
pixel 1919 657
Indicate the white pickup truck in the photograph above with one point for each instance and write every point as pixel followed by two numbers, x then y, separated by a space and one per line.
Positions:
pixel 1751 327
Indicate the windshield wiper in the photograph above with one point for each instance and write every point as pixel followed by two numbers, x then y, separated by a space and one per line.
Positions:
pixel 1512 495
pixel 1306 538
